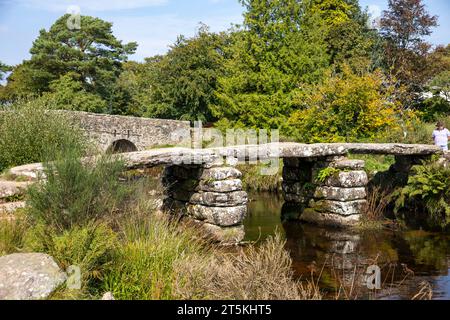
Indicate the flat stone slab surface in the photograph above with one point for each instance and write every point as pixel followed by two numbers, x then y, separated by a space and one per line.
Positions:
pixel 223 217
pixel 185 156
pixel 29 276
pixel 340 194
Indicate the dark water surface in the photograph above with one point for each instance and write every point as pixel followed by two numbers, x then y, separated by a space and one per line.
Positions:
pixel 338 259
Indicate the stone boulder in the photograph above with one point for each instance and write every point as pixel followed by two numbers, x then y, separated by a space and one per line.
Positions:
pixel 226 236
pixel 340 194
pixel 10 189
pixel 338 207
pixel 29 276
pixel 223 217
pixel 348 164
pixel 213 199
pixel 329 219
pixel 220 186
pixel 344 179
pixel 221 173
pixel 11 207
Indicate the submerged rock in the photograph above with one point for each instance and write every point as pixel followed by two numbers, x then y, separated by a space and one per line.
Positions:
pixel 29 276
pixel 329 219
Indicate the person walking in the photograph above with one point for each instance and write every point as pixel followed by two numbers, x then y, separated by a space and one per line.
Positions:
pixel 441 136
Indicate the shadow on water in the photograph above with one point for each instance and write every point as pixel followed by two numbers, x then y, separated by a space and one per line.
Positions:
pixel 341 257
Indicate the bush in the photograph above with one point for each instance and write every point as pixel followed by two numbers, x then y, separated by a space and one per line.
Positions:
pixel 344 108
pixel 434 108
pixel 29 133
pixel 76 193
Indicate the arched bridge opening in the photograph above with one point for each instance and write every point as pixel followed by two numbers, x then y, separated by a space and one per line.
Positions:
pixel 122 146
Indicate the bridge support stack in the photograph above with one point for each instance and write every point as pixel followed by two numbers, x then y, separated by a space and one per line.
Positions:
pixel 398 173
pixel 212 196
pixel 331 191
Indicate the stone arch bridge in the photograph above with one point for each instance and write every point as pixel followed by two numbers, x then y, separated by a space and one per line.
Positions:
pixel 127 134
pixel 204 184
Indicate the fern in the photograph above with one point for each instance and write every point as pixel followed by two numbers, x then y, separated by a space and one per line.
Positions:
pixel 429 185
pixel 326 173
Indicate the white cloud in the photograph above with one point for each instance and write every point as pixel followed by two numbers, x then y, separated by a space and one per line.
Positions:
pixel 375 16
pixel 374 11
pixel 90 5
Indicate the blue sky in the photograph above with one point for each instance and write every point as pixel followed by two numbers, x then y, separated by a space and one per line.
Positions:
pixel 154 24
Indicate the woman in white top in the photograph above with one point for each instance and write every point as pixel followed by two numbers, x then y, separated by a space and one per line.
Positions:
pixel 441 136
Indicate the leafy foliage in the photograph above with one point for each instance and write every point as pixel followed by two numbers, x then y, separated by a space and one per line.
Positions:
pixel 344 108
pixel 326 173
pixel 80 65
pixel 185 79
pixel 428 185
pixel 404 26
pixel 87 247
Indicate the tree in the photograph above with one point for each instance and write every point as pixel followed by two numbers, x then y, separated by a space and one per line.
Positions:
pixel 183 82
pixel 349 39
pixel 404 26
pixel 133 94
pixel 267 61
pixel 92 53
pixel 67 93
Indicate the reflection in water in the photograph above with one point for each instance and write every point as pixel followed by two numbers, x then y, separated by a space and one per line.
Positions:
pixel 341 257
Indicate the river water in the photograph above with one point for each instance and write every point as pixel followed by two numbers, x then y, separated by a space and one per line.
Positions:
pixel 336 260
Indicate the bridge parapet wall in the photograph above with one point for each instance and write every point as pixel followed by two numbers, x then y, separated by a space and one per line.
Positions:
pixel 144 133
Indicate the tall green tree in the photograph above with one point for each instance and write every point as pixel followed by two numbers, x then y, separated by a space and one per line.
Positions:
pixel 268 59
pixel 91 54
pixel 92 51
pixel 350 41
pixel 183 82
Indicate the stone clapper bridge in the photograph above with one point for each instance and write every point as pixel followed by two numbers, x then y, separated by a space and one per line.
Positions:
pixel 204 184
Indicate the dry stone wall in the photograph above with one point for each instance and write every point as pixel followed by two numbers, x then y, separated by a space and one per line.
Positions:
pixel 335 200
pixel 211 196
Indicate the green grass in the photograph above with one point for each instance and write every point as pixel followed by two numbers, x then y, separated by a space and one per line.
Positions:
pixel 375 163
pixel 253 180
pixel 12 233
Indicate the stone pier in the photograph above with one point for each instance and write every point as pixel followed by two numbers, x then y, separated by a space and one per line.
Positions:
pixel 210 195
pixel 327 191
